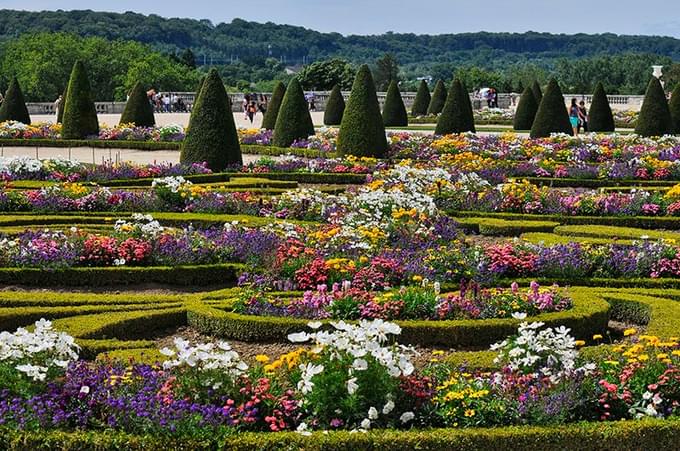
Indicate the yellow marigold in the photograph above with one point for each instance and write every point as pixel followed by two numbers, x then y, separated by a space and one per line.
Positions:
pixel 470 413
pixel 662 356
pixel 579 342
pixel 629 332
pixel 262 358
pixel 597 337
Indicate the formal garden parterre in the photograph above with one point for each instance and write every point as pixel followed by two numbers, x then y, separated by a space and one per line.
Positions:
pixel 447 291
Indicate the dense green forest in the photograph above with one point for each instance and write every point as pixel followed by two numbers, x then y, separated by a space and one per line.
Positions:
pixel 39 47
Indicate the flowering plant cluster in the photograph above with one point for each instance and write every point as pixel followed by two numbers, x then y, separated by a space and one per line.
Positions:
pixel 130 132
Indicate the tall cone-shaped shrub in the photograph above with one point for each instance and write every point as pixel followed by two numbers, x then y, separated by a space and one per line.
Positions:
pixel 600 117
pixel 526 111
pixel 293 121
pixel 456 117
pixel 362 131
pixel 394 112
pixel 14 107
pixel 422 100
pixel 438 98
pixel 335 107
pixel 552 116
pixel 138 109
pixel 273 106
pixel 80 115
pixel 538 94
pixel 60 111
pixel 655 116
pixel 674 106
pixel 211 135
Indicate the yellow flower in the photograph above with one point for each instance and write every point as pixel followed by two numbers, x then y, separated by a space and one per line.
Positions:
pixel 662 356
pixel 597 337
pixel 643 357
pixel 470 413
pixel 417 278
pixel 629 332
pixel 611 362
pixel 579 342
pixel 262 358
pixel 438 352
pixel 676 352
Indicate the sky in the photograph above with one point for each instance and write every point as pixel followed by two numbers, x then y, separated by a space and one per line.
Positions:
pixel 649 17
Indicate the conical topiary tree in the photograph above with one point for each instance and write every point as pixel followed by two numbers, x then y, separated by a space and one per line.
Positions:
pixel 335 107
pixel 552 116
pixel 456 117
pixel 538 94
pixel 273 106
pixel 438 98
pixel 60 110
pixel 394 112
pixel 80 115
pixel 526 111
pixel 293 121
pixel 211 135
pixel 674 107
pixel 362 131
pixel 655 116
pixel 422 100
pixel 14 107
pixel 600 117
pixel 138 109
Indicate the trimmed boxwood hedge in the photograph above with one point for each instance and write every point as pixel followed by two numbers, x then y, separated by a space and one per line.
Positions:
pixel 502 227
pixel 597 183
pixel 593 436
pixel 588 316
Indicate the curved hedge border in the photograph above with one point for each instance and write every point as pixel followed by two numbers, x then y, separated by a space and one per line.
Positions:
pixel 299 177
pixel 587 317
pixel 614 436
pixel 597 183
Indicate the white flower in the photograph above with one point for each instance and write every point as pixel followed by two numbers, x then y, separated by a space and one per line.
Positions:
pixel 302 429
pixel 299 337
pixel 372 413
pixel 85 389
pixel 519 315
pixel 406 417
pixel 360 364
pixel 352 386
pixel 314 324
pixel 366 423
pixel 388 407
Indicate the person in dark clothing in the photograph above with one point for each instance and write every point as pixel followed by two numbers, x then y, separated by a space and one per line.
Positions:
pixel 582 117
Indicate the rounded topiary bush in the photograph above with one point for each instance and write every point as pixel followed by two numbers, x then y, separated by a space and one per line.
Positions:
pixel 211 135
pixel 438 98
pixel 456 117
pixel 552 116
pixel 538 94
pixel 600 117
pixel 526 111
pixel 422 100
pixel 335 107
pixel 273 106
pixel 674 107
pixel 394 112
pixel 138 109
pixel 80 115
pixel 14 107
pixel 362 131
pixel 655 116
pixel 293 121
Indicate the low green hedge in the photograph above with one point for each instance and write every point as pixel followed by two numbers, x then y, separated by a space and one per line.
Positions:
pixel 502 227
pixel 601 231
pixel 597 183
pixel 595 436
pixel 299 177
pixel 550 239
pixel 588 316
pixel 200 275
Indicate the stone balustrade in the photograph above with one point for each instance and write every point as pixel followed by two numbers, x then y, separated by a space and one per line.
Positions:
pixel 617 102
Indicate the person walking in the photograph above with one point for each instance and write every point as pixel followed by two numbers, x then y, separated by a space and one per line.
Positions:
pixel 574 115
pixel 252 109
pixel 262 106
pixel 246 103
pixel 582 117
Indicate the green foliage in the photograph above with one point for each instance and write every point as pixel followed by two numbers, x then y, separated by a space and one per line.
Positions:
pixel 42 62
pixel 456 117
pixel 211 135
pixel 655 116
pixel 324 75
pixel 293 121
pixel 386 71
pixel 600 118
pixel 273 106
pixel 552 116
pixel 394 112
pixel 538 93
pixel 335 107
pixel 138 109
pixel 674 107
pixel 526 110
pixel 438 98
pixel 362 131
pixel 422 100
pixel 502 227
pixel 80 116
pixel 14 107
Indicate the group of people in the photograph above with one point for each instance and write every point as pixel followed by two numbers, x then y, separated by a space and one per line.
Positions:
pixel 578 116
pixel 252 103
pixel 490 95
pixel 167 102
